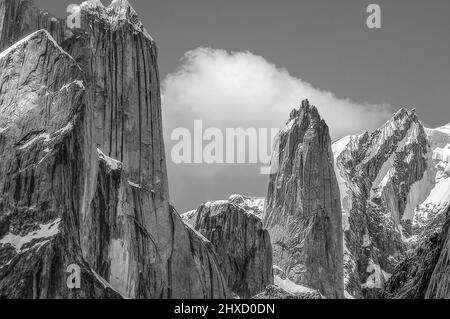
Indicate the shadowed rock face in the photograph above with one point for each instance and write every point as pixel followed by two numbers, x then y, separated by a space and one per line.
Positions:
pixel 83 177
pixel 242 245
pixel 302 208
pixel 424 273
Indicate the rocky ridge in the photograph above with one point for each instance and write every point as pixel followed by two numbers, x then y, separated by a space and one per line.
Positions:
pixel 241 243
pixel 392 184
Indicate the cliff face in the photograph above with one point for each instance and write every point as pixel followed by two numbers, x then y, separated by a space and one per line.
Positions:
pixel 84 169
pixel 241 243
pixel 302 208
pixel 42 136
pixel 393 185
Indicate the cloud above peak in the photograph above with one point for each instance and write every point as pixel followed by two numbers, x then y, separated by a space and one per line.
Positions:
pixel 241 89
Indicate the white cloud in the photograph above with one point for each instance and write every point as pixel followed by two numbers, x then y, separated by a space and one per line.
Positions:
pixel 242 89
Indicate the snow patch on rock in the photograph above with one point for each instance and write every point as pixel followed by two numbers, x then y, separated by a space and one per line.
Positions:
pixel 134 184
pixel 252 205
pixel 290 286
pixel 377 276
pixel 112 163
pixel 42 136
pixel 45 231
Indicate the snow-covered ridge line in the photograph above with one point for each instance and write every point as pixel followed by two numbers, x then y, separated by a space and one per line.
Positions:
pixel 21 42
pixel 253 205
pixel 26 39
pixel 443 129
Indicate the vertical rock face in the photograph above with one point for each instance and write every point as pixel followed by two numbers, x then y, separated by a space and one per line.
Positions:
pixel 83 172
pixel 302 208
pixel 42 135
pixel 424 273
pixel 241 243
pixel 393 185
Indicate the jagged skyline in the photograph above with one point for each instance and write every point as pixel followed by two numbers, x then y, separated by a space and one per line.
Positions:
pixel 325 44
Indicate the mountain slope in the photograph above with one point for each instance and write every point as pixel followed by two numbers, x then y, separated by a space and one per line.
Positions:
pixel 424 273
pixel 392 184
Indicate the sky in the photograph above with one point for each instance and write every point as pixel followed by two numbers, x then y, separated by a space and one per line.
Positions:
pixel 247 63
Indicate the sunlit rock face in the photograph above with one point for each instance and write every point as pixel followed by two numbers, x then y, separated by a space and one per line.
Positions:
pixel 83 176
pixel 302 208
pixel 394 191
pixel 242 244
pixel 43 135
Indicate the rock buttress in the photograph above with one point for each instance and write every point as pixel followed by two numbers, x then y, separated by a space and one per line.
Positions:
pixel 302 208
pixel 242 245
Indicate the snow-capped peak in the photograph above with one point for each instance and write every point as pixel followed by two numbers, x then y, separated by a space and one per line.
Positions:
pixel 399 121
pixel 117 11
pixel 123 9
pixel 444 129
pixel 253 205
pixel 91 4
pixel 122 4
